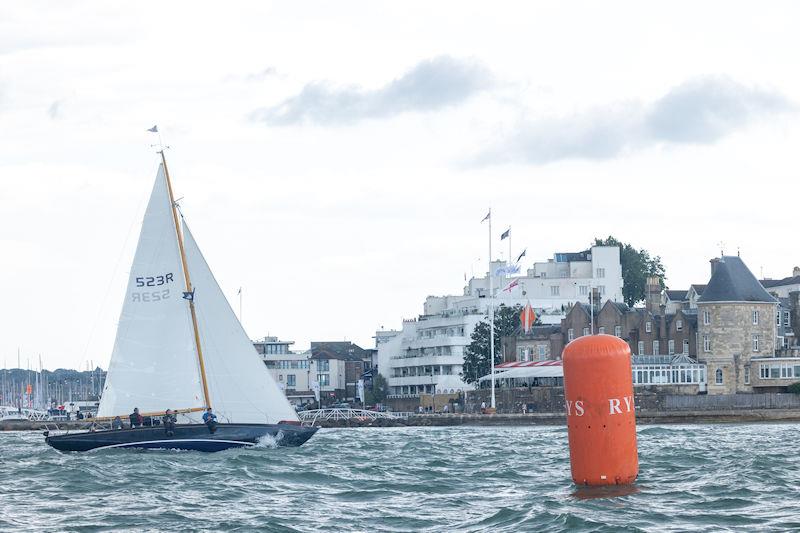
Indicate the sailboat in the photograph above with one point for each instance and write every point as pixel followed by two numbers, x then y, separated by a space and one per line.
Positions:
pixel 179 346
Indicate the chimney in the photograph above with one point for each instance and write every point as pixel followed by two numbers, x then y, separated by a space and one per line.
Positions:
pixel 714 262
pixel 795 272
pixel 652 294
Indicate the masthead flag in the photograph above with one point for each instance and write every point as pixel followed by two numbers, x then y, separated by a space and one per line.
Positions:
pixel 154 129
pixel 487 217
pixel 505 234
pixel 521 255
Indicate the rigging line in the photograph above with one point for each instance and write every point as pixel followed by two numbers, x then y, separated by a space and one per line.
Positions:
pixel 114 272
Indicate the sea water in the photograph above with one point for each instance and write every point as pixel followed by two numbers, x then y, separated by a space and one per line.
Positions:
pixel 692 478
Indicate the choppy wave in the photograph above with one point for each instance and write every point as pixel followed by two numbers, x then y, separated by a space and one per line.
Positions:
pixel 720 477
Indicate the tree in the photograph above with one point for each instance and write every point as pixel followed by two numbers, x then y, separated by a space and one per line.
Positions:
pixel 476 354
pixel 637 266
pixel 379 391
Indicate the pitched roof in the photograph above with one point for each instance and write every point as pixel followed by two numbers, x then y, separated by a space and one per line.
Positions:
pixel 768 283
pixel 732 281
pixel 677 296
pixel 337 350
pixel 698 288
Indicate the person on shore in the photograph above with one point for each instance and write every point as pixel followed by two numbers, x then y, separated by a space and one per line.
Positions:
pixel 135 418
pixel 169 422
pixel 117 423
pixel 483 408
pixel 210 420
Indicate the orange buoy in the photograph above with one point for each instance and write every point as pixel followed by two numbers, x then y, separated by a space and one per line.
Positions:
pixel 601 418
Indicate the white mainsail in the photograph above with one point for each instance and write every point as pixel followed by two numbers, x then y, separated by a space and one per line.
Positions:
pixel 154 363
pixel 240 386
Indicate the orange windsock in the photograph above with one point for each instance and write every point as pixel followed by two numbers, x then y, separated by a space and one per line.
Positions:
pixel 601 418
pixel 527 318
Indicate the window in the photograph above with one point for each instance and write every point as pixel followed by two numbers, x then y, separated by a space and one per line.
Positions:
pixel 570 335
pixel 323 365
pixel 542 352
pixel 718 376
pixel 618 331
pixel 280 377
pixel 786 320
pixel 671 347
pixel 755 318
pixel 324 380
pixel 755 343
pixel 291 380
pixel 554 290
pixel 640 348
pixel 706 343
pixel 747 375
pixel 600 273
pixel 656 348
pixel 601 290
pixel 706 318
pixel 685 346
pixel 585 331
pixel 778 318
pixel 601 330
pixel 583 290
pixel 648 327
pixel 679 325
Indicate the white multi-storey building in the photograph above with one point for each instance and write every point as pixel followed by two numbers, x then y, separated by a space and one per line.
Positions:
pixel 427 355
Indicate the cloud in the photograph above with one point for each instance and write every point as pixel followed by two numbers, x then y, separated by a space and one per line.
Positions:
pixel 431 85
pixel 700 111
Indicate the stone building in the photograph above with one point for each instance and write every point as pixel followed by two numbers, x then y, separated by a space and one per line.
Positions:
pixel 736 327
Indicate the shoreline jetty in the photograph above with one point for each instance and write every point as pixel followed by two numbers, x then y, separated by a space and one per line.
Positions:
pixel 726 416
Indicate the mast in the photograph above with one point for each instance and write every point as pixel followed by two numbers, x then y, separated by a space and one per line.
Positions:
pixel 188 283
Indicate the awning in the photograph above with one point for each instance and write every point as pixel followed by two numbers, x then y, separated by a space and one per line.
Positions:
pixel 539 369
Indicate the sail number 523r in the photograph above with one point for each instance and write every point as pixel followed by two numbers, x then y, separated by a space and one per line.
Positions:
pixel 154 281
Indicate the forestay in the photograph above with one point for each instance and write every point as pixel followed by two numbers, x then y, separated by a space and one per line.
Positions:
pixel 154 362
pixel 241 388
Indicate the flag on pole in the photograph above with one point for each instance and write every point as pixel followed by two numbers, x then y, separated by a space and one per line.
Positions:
pixel 188 295
pixel 240 291
pixel 487 217
pixel 527 317
pixel 521 255
pixel 512 285
pixel 154 129
pixel 505 234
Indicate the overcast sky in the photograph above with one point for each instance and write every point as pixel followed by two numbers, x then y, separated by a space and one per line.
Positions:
pixel 335 159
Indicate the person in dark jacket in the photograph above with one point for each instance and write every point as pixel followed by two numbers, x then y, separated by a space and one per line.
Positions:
pixel 135 418
pixel 169 422
pixel 210 419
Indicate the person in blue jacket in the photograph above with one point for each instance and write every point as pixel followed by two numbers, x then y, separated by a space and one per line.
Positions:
pixel 210 420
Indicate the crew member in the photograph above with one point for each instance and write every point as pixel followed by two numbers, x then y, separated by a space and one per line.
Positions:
pixel 169 422
pixel 210 419
pixel 117 423
pixel 135 418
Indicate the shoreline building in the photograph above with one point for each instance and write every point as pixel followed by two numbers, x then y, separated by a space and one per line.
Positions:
pixel 426 356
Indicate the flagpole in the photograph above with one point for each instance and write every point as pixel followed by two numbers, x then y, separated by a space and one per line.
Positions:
pixel 491 307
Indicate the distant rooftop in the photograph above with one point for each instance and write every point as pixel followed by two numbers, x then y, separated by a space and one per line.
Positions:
pixel 732 281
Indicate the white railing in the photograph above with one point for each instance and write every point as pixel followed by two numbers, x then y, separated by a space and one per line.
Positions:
pixel 347 414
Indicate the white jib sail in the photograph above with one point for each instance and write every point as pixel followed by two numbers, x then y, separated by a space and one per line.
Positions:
pixel 154 364
pixel 241 388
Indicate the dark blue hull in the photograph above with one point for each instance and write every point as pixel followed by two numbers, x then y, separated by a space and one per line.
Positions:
pixel 195 437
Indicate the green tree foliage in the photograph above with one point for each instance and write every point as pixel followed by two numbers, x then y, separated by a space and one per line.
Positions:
pixel 637 265
pixel 379 391
pixel 476 354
